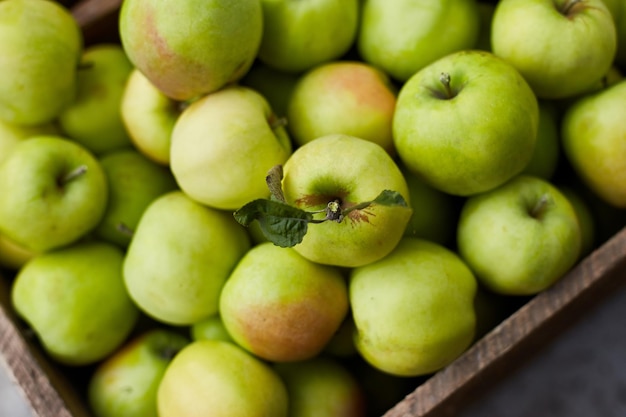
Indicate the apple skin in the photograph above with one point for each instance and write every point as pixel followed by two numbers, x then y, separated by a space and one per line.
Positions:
pixel 540 241
pixel 444 140
pixel 226 39
pixel 11 134
pixel 244 141
pixel 414 309
pixel 75 301
pixel 40 45
pixel 149 117
pixel 134 181
pixel 282 307
pixel 352 170
pixel 322 386
pixel 93 119
pixel 276 86
pixel 300 35
pixel 402 37
pixel 179 258
pixel 349 97
pixel 547 153
pixel 586 218
pixel 560 55
pixel 210 328
pixel 13 255
pixel 592 132
pixel 240 384
pixel 62 213
pixel 125 384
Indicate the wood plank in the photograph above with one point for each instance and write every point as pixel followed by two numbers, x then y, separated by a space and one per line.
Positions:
pixel 520 336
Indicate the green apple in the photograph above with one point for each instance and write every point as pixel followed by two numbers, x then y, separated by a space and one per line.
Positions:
pixel 225 166
pixel 403 36
pixel 586 218
pixel 546 155
pixel 592 132
pixel 94 118
pixel 466 123
pixel 13 255
pixel 528 223
pixel 194 48
pixel 414 309
pixel 149 117
pixel 125 384
pixel 322 387
pixel 40 46
pixel 349 97
pixel 561 47
pixel 179 258
pixel 219 379
pixel 134 181
pixel 346 170
pixel 486 10
pixel 10 134
pixel 75 301
pixel 620 27
pixel 210 328
pixel 341 345
pixel 53 192
pixel 298 35
pixel 282 307
pixel 615 7
pixel 276 86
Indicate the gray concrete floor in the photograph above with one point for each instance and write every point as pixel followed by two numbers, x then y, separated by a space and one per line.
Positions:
pixel 581 374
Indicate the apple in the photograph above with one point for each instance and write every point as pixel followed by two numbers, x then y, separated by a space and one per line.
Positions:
pixel 10 134
pixel 134 181
pixel 586 218
pixel 54 192
pixel 592 133
pixel 341 345
pixel 466 123
pixel 346 170
pixel 223 145
pixel 413 309
pixel 276 86
pixel 149 117
pixel 125 384
pixel 528 223
pixel 180 255
pixel 486 10
pixel 280 306
pixel 40 45
pixel 210 328
pixel 322 386
pixel 547 153
pixel 75 301
pixel 403 36
pixel 560 54
pixel 349 97
pixel 93 119
pixel 226 39
pixel 620 27
pixel 220 379
pixel 300 35
pixel 13 255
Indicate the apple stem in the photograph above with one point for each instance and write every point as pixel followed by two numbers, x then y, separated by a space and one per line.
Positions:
pixel 276 122
pixel 541 206
pixel 445 80
pixel 125 230
pixel 73 174
pixel 568 6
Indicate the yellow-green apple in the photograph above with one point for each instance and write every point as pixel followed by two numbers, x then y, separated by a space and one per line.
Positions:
pixel 620 27
pixel 586 218
pixel 615 7
pixel 442 137
pixel 125 384
pixel 282 307
pixel 40 46
pixel 345 171
pixel 94 118
pixel 10 134
pixel 561 47
pixel 414 309
pixel 529 223
pixel 180 256
pixel 149 117
pixel 238 384
pixel 546 155
pixel 224 144
pixel 349 97
pixel 191 48
pixel 134 181
pixel 54 191
pixel 403 36
pixel 298 35
pixel 13 255
pixel 210 328
pixel 276 86
pixel 341 345
pixel 322 386
pixel 74 300
pixel 592 132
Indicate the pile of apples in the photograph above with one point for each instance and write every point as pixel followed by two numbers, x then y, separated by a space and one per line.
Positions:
pixel 266 207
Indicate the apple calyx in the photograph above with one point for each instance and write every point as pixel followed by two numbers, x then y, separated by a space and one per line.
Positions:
pixel 72 175
pixel 285 225
pixel 541 206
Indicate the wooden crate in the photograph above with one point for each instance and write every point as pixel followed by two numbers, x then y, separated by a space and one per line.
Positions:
pixel 51 390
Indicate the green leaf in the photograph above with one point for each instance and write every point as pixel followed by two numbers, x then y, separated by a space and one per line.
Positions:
pixel 281 224
pixel 390 198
